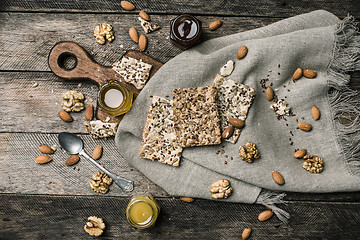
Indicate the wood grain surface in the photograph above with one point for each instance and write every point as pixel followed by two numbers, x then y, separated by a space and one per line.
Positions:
pixel 63 217
pixel 269 8
pixel 52 201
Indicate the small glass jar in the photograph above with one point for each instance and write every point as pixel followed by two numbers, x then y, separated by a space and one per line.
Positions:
pixel 185 31
pixel 142 211
pixel 115 98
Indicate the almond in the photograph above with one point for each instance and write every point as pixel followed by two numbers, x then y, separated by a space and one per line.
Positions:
pixel 142 42
pixel 265 215
pixel 134 34
pixel 297 74
pixel 215 25
pixel 246 233
pixel 242 52
pixel 300 153
pixel 305 126
pixel 315 113
pixel 72 160
pixel 187 199
pixel 269 94
pixel 127 5
pixel 97 152
pixel 278 178
pixel 42 159
pixel 65 116
pixel 238 123
pixel 228 132
pixel 89 112
pixel 144 15
pixel 46 149
pixel 309 73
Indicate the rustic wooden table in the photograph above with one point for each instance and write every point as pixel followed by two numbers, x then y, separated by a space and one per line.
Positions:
pixel 53 201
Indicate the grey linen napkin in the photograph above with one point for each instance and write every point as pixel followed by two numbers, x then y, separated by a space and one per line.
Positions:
pixel 317 40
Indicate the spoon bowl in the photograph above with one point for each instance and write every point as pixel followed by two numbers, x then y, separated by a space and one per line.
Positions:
pixel 70 142
pixel 74 145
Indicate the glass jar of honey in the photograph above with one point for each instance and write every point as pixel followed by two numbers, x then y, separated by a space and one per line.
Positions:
pixel 185 31
pixel 115 98
pixel 142 211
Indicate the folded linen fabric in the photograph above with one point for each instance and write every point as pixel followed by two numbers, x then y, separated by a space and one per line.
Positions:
pixel 316 40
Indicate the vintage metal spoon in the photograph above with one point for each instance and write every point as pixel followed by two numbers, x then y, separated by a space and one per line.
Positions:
pixel 74 145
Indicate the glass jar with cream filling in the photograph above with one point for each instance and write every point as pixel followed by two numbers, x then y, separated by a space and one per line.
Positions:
pixel 115 98
pixel 142 211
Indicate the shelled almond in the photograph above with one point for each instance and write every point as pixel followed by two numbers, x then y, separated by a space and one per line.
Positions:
pixel 45 149
pixel 97 152
pixel 215 25
pixel 309 73
pixel 187 199
pixel 315 112
pixel 89 112
pixel 134 34
pixel 246 233
pixel 269 94
pixel 300 153
pixel 72 160
pixel 42 159
pixel 228 132
pixel 265 215
pixel 305 126
pixel 126 5
pixel 144 15
pixel 278 178
pixel 65 116
pixel 142 42
pixel 238 123
pixel 297 74
pixel 242 52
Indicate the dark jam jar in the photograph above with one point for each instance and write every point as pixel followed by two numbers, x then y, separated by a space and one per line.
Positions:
pixel 185 31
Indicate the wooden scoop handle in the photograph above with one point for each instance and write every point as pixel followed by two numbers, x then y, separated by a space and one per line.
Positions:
pixel 85 66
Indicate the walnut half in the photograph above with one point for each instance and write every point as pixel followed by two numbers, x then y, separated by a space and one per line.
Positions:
pixel 73 101
pixel 100 182
pixel 221 189
pixel 95 226
pixel 313 164
pixel 103 31
pixel 249 153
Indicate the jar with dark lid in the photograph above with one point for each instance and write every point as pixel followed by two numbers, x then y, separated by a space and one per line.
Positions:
pixel 185 31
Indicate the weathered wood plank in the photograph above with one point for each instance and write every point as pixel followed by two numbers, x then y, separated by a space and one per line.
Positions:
pixel 26 38
pixel 20 174
pixel 35 109
pixel 54 217
pixel 269 8
pixel 29 109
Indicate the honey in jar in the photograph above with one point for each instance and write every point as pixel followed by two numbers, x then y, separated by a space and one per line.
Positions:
pixel 115 98
pixel 142 211
pixel 185 31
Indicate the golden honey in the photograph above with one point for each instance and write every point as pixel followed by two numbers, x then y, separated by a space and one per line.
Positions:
pixel 142 211
pixel 114 98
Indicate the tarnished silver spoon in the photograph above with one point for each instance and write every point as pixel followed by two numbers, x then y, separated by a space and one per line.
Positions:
pixel 74 145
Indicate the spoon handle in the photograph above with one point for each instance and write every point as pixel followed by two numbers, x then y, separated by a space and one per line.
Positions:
pixel 125 184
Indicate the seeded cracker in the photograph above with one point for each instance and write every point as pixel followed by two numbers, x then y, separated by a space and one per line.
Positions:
pixel 196 116
pixel 99 129
pixel 133 71
pixel 147 26
pixel 234 101
pixel 159 137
